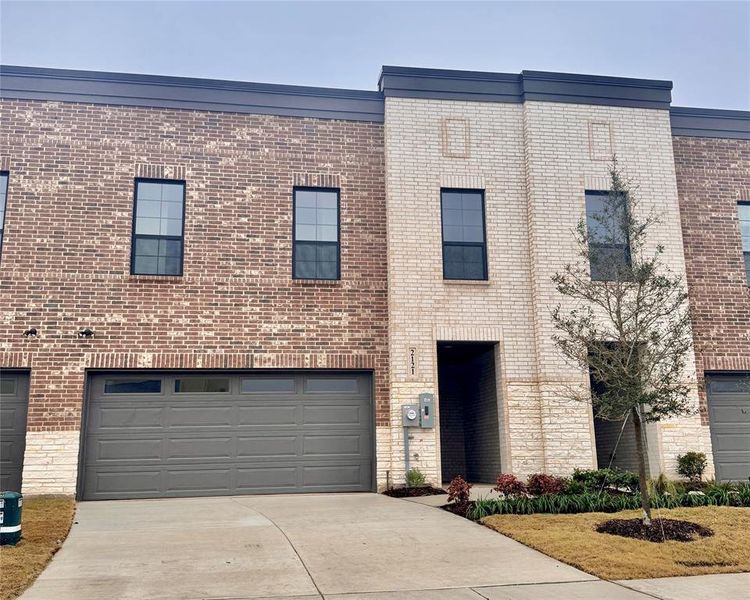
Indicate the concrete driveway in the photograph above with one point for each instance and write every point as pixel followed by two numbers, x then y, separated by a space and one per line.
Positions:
pixel 345 546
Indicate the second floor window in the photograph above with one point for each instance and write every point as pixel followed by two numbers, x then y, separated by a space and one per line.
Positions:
pixel 464 245
pixel 744 209
pixel 3 195
pixel 315 253
pixel 609 247
pixel 158 227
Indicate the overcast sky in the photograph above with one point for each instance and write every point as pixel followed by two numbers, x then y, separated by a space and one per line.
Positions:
pixel 704 47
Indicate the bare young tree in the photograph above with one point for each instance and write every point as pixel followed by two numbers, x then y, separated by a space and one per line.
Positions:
pixel 626 321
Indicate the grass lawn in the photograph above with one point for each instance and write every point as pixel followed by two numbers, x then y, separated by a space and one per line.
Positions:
pixel 45 524
pixel 572 539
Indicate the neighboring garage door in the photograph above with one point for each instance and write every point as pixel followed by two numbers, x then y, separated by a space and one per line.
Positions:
pixel 729 416
pixel 165 435
pixel 14 401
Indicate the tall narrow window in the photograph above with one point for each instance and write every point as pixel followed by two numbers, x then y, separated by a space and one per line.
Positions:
pixel 744 208
pixel 464 245
pixel 609 247
pixel 315 253
pixel 158 227
pixel 3 195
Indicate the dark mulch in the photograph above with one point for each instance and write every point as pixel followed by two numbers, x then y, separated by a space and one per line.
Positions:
pixel 457 509
pixel 412 492
pixel 660 530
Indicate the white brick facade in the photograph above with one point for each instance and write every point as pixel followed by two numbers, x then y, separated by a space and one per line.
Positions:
pixel 534 161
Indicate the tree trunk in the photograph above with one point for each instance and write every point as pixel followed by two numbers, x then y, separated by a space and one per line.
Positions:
pixel 642 477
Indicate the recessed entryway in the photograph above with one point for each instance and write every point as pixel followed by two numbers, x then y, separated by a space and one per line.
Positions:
pixel 469 426
pixel 153 435
pixel 615 444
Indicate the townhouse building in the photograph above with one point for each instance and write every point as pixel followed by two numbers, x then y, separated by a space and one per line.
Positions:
pixel 487 176
pixel 212 287
pixel 712 159
pixel 193 285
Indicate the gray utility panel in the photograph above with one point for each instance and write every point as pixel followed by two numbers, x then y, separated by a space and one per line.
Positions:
pixel 188 434
pixel 729 416
pixel 14 401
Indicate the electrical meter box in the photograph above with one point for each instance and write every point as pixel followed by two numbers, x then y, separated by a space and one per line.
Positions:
pixel 426 410
pixel 410 415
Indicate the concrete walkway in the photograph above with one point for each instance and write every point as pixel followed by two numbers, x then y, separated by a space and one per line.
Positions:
pixel 305 547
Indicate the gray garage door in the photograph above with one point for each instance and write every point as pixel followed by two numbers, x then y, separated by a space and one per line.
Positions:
pixel 14 400
pixel 729 416
pixel 164 435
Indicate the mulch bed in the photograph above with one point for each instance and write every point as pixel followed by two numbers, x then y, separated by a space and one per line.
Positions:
pixel 660 530
pixel 457 509
pixel 412 492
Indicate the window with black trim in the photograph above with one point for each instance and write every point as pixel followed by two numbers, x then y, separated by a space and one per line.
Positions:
pixel 744 213
pixel 609 246
pixel 3 196
pixel 316 249
pixel 158 227
pixel 464 239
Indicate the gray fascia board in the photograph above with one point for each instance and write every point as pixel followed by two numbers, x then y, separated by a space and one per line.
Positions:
pixel 528 85
pixel 595 89
pixel 189 93
pixel 708 122
pixel 406 82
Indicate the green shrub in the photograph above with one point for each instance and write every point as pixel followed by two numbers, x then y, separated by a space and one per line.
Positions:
pixel 664 486
pixel 594 480
pixel 692 465
pixel 743 490
pixel 573 487
pixel 605 502
pixel 415 478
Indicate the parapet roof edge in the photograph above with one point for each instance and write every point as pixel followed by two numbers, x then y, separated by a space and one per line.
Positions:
pixel 189 93
pixel 710 122
pixel 410 82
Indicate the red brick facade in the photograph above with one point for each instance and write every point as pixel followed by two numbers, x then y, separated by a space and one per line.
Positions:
pixel 66 255
pixel 713 174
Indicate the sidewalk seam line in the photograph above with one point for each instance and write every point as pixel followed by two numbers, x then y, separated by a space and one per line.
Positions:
pixel 532 583
pixel 286 537
pixel 649 594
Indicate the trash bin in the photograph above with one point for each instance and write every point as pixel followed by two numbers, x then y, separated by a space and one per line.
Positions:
pixel 10 517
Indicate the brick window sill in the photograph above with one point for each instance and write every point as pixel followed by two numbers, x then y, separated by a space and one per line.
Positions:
pixel 164 278
pixel 316 282
pixel 480 282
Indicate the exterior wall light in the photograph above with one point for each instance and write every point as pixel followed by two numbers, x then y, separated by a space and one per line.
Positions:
pixel 86 333
pixel 32 332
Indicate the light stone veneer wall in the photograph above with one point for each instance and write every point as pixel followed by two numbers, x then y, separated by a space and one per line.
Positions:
pixel 534 161
pixel 50 464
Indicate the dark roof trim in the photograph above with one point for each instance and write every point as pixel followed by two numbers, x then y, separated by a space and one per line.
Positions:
pixel 408 82
pixel 32 83
pixel 708 122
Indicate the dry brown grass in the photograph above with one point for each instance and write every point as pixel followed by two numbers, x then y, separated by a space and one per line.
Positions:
pixel 572 539
pixel 45 524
